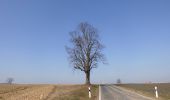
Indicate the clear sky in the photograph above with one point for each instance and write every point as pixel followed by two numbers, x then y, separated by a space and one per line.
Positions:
pixel 34 33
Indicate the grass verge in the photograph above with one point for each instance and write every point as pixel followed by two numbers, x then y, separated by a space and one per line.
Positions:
pixel 148 89
pixel 80 94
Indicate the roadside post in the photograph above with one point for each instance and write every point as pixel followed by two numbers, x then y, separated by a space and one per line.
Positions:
pixel 41 96
pixel 100 92
pixel 89 92
pixel 156 92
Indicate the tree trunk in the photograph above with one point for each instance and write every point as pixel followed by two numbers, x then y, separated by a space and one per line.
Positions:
pixel 87 77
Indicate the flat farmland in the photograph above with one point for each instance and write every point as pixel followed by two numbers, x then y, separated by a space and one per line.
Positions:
pixel 148 89
pixel 45 92
pixel 24 92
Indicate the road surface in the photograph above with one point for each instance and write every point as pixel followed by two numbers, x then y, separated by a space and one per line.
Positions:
pixel 112 92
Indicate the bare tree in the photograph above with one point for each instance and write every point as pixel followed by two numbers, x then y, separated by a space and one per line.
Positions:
pixel 10 80
pixel 86 52
pixel 119 81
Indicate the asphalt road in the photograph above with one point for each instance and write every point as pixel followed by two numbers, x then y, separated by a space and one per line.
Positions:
pixel 112 92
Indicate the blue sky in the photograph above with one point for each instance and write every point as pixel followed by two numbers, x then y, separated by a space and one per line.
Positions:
pixel 34 33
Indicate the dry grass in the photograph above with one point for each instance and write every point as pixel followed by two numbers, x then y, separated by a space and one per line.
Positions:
pixel 81 93
pixel 46 92
pixel 5 88
pixel 148 89
pixel 61 90
pixel 24 92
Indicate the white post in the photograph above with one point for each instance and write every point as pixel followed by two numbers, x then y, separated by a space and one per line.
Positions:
pixel 100 92
pixel 156 92
pixel 41 96
pixel 89 93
